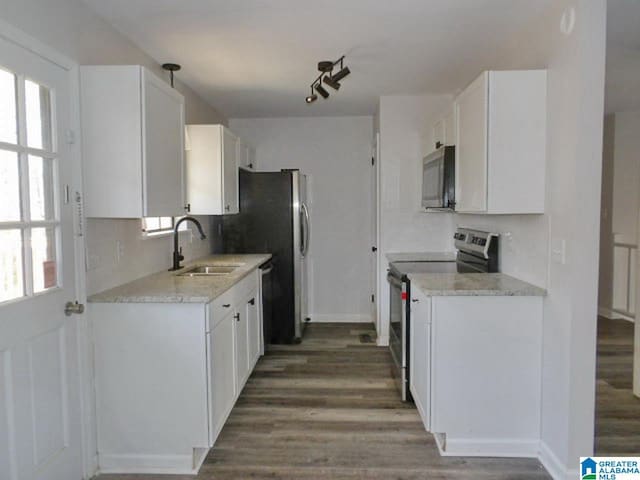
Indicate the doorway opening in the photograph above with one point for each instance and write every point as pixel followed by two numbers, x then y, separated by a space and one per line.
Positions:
pixel 617 419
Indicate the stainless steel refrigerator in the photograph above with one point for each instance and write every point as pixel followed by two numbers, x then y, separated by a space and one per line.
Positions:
pixel 274 218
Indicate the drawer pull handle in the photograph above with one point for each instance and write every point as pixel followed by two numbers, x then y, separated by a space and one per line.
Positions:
pixel 226 305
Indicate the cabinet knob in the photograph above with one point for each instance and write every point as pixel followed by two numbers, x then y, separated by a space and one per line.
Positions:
pixel 226 208
pixel 237 317
pixel 187 207
pixel 252 301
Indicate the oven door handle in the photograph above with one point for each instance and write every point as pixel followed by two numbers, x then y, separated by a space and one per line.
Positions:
pixel 393 280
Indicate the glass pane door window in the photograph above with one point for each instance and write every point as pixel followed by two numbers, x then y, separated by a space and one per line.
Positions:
pixel 29 193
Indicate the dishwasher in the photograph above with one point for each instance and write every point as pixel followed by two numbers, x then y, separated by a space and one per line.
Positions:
pixel 267 302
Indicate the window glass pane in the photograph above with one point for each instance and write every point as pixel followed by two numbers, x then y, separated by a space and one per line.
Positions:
pixel 8 112
pixel 38 104
pixel 43 251
pixel 41 180
pixel 151 223
pixel 11 283
pixel 166 223
pixel 9 187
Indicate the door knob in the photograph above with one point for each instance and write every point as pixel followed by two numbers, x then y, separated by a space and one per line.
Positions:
pixel 73 307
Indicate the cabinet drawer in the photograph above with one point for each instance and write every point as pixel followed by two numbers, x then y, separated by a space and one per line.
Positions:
pixel 230 300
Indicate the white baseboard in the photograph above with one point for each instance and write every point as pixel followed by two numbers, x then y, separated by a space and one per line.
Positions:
pixel 152 464
pixel 486 447
pixel 554 466
pixel 340 318
pixel 612 314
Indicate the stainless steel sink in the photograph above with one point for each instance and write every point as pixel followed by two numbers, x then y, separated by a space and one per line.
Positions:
pixel 209 270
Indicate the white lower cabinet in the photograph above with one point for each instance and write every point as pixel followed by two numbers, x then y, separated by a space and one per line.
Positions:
pixel 168 375
pixel 222 368
pixel 476 372
pixel 420 351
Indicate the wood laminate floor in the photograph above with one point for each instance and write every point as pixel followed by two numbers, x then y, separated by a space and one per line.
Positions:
pixel 328 409
pixel 617 409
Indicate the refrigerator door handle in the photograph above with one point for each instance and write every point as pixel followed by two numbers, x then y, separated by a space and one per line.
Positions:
pixel 305 227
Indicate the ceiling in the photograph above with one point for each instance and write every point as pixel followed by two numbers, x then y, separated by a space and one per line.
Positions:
pixel 257 58
pixel 622 92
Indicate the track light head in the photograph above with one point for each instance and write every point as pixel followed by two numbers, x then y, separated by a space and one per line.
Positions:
pixel 331 82
pixel 311 98
pixel 341 74
pixel 321 90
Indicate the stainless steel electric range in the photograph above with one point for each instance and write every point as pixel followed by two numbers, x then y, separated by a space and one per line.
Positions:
pixel 477 252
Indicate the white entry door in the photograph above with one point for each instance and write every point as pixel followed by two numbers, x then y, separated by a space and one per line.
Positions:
pixel 40 420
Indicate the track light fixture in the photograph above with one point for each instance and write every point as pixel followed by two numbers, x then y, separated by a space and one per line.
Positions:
pixel 313 97
pixel 328 78
pixel 171 67
pixel 331 82
pixel 320 89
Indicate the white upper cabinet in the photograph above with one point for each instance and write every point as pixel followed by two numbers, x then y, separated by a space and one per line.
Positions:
pixel 444 130
pixel 246 155
pixel 501 143
pixel 133 143
pixel 212 170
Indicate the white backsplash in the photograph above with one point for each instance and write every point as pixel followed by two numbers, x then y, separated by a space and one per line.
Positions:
pixel 523 244
pixel 117 252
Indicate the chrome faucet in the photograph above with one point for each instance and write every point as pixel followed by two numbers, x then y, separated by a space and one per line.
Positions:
pixel 177 251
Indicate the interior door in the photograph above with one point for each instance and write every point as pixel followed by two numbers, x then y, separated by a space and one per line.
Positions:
pixel 40 421
pixel 373 258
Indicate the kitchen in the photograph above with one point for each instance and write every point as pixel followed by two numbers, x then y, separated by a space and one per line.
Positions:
pixel 334 146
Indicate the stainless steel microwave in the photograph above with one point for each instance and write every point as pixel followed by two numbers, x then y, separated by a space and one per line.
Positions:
pixel 439 179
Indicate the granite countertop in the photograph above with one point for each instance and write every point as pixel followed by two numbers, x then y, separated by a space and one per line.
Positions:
pixel 167 287
pixel 421 257
pixel 473 284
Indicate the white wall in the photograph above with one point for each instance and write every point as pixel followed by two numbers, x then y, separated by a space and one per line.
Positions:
pixel 71 28
pixel 575 107
pixel 335 152
pixel 404 121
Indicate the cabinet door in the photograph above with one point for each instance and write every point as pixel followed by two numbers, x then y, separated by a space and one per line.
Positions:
pixel 244 155
pixel 420 351
pixel 450 127
pixel 242 346
pixel 222 357
pixel 438 134
pixel 163 148
pixel 253 323
pixel 471 147
pixel 230 172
